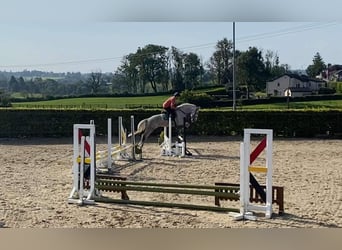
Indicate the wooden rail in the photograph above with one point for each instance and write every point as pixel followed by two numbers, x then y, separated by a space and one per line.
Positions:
pixel 119 184
pixel 277 195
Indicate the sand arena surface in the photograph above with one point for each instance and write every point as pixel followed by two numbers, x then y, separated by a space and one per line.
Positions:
pixel 36 181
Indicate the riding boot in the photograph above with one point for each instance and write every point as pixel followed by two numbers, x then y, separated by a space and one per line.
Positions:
pixel 174 121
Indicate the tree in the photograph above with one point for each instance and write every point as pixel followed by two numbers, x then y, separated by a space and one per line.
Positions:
pixel 147 65
pixel 13 84
pixel 186 70
pixel 317 67
pixel 192 70
pixel 154 65
pixel 272 65
pixel 22 85
pixel 221 62
pixel 4 99
pixel 95 82
pixel 176 69
pixel 130 71
pixel 120 83
pixel 251 69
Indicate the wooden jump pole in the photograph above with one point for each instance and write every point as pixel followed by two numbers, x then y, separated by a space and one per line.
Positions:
pixel 218 191
pixel 165 190
pixel 166 204
pixel 173 185
pixel 117 185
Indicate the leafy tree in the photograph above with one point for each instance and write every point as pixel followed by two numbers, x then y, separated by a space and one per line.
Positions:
pixel 51 87
pixel 221 62
pixel 177 69
pixel 186 70
pixel 272 66
pixel 147 65
pixel 130 70
pixel 251 69
pixel 192 70
pixel 4 99
pixel 95 82
pixel 13 84
pixel 317 66
pixel 153 65
pixel 119 83
pixel 22 84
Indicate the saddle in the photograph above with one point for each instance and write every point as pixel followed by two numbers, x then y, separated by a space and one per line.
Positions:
pixel 165 115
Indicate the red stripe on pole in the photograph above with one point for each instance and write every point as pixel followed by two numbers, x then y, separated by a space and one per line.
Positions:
pixel 86 143
pixel 257 151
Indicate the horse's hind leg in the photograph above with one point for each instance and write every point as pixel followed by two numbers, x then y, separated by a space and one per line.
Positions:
pixel 142 140
pixel 144 136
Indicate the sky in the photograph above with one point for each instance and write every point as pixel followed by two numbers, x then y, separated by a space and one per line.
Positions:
pixel 81 36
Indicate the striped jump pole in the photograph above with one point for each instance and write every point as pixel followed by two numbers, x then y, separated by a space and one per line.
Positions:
pixel 247 157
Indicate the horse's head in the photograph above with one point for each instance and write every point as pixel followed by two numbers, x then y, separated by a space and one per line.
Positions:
pixel 189 112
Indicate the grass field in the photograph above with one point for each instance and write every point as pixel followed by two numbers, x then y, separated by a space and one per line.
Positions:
pixel 99 102
pixel 329 104
pixel 156 102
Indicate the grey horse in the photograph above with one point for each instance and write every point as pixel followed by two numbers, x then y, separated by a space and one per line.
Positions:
pixel 147 126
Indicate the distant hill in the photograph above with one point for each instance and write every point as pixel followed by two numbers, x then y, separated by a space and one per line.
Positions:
pixel 43 74
pixel 32 74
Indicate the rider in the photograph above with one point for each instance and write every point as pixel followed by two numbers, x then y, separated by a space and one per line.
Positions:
pixel 170 105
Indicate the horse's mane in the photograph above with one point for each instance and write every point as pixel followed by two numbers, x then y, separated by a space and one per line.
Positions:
pixel 180 106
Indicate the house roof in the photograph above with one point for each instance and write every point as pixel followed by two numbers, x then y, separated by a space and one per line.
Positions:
pixel 303 78
pixel 335 67
pixel 338 72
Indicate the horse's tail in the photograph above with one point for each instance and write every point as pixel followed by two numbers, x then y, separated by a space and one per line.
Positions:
pixel 140 128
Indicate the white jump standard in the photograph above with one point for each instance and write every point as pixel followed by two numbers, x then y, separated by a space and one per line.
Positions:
pixel 171 149
pixel 247 157
pixel 85 159
pixel 78 194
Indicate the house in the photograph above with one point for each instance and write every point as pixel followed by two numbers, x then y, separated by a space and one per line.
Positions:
pixel 337 76
pixel 332 73
pixel 300 85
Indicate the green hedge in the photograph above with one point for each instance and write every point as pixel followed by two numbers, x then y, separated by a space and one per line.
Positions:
pixel 59 123
pixel 336 85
